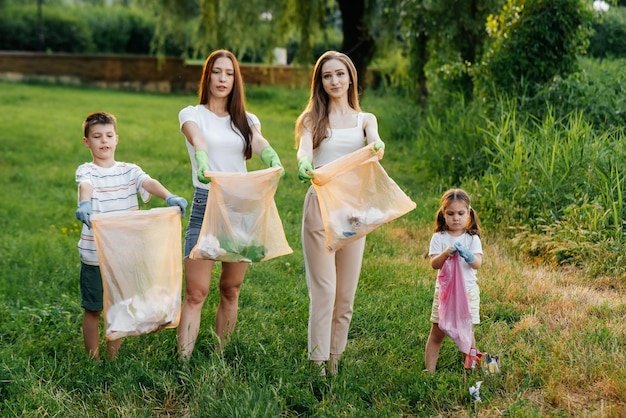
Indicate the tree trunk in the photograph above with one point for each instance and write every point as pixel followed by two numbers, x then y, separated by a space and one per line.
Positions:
pixel 358 44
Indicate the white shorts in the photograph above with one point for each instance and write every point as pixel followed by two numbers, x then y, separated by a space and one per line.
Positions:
pixel 474 304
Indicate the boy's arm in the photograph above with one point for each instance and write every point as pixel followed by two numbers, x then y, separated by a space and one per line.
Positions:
pixel 154 187
pixel 84 211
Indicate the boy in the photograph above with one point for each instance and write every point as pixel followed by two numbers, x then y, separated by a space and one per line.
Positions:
pixel 105 185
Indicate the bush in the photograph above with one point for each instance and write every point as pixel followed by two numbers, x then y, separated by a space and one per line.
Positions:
pixel 120 30
pixel 609 32
pixel 74 29
pixel 533 41
pixel 63 31
pixel 598 91
pixel 19 30
pixel 66 32
pixel 558 184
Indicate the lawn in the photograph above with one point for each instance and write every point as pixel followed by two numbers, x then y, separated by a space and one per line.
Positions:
pixel 562 344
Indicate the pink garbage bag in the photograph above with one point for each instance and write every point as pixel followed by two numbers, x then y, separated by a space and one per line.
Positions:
pixel 455 318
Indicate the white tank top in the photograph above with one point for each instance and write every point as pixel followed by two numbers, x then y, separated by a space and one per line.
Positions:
pixel 340 142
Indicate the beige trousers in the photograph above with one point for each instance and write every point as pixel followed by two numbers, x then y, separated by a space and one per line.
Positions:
pixel 332 280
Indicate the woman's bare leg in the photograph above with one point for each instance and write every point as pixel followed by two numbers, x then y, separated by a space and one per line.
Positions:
pixel 197 284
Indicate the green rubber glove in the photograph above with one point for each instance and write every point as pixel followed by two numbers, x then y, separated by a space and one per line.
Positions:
pixel 270 158
pixel 202 161
pixel 305 168
pixel 378 149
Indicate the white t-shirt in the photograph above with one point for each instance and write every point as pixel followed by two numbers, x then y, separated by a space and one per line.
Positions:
pixel 114 189
pixel 340 142
pixel 224 141
pixel 442 240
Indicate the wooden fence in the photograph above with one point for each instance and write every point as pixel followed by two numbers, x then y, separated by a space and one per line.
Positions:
pixel 135 73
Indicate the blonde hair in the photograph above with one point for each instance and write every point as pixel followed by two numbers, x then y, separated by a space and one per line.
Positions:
pixel 452 195
pixel 315 115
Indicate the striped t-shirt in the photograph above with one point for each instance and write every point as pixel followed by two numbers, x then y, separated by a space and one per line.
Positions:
pixel 114 189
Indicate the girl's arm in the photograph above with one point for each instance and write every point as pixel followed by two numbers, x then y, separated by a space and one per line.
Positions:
pixel 436 261
pixel 478 261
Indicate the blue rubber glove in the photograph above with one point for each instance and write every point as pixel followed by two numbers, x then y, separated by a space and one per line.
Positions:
pixel 202 161
pixel 181 202
pixel 305 168
pixel 84 211
pixel 270 158
pixel 464 252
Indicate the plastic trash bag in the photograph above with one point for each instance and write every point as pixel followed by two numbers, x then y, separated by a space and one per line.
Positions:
pixel 455 318
pixel 140 255
pixel 356 196
pixel 241 222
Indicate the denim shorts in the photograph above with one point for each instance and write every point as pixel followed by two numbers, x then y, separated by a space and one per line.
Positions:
pixel 91 290
pixel 196 217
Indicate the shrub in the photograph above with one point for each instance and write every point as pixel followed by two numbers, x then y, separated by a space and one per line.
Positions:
pixel 533 41
pixel 558 184
pixel 598 91
pixel 63 31
pixel 609 32
pixel 19 30
pixel 120 30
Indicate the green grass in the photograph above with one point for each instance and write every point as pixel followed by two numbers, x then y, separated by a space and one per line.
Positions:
pixel 562 342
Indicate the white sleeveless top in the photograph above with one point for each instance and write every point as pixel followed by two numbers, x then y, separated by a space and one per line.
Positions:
pixel 340 142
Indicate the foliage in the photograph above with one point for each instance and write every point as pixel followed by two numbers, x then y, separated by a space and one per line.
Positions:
pixel 440 40
pixel 64 32
pixel 531 42
pixel 80 28
pixel 560 183
pixel 609 32
pixel 249 29
pixel 119 29
pixel 597 90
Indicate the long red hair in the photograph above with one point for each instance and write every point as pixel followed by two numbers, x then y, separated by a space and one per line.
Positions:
pixel 236 105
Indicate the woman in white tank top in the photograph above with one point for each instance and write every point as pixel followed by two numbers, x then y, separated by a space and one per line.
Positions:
pixel 331 126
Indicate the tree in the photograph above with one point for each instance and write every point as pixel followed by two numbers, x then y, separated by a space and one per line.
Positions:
pixel 441 40
pixel 256 27
pixel 358 43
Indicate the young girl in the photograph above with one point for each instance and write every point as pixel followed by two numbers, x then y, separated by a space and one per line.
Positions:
pixel 456 230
